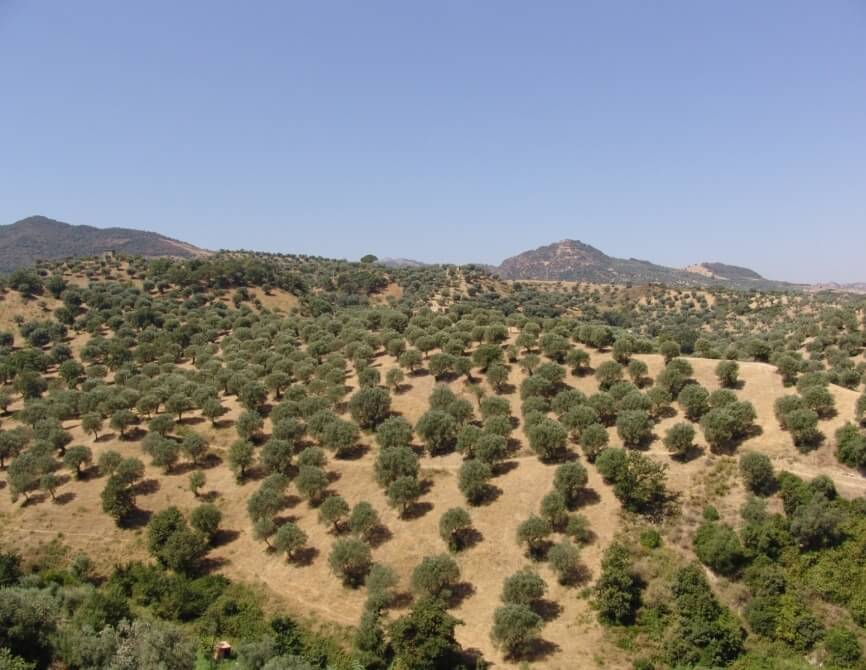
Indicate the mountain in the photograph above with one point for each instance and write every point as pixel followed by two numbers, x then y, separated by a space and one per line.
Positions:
pixel 401 263
pixel 572 260
pixel 856 287
pixel 38 237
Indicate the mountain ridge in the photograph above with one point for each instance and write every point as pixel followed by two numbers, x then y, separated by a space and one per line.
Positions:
pixel 42 238
pixel 573 260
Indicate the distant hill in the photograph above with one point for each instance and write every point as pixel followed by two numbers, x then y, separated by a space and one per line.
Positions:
pixel 41 238
pixel 572 260
pixel 401 263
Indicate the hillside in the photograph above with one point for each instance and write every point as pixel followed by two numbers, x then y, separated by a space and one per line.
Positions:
pixel 572 260
pixel 260 417
pixel 40 238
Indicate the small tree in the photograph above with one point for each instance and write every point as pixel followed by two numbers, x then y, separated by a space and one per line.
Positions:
pixel 695 400
pixel 161 424
pixel 92 423
pixel 757 472
pixel 241 456
pixel 454 526
pixel 564 560
pixel 634 426
pixel 534 533
pixel 196 481
pixel 263 529
pixel 395 462
pixel 334 510
pixel 290 539
pixel 76 458
pixel 438 429
pixel 403 492
pixel 593 440
pixel 524 587
pixel 370 406
pixel 206 520
pixel 608 374
pixel 473 481
pixel 350 560
pixel 680 439
pixel 515 629
pixel 548 439
pixel 554 509
pixel 728 373
pixel 617 591
pixel 435 577
pixel 311 483
pixel 363 520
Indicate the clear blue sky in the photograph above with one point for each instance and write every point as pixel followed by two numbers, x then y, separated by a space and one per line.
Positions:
pixel 462 130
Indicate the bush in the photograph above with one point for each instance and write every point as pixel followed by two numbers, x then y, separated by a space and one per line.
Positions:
pixel 634 426
pixel 695 400
pixel 515 629
pixel 472 480
pixel 617 591
pixel 680 439
pixel 435 577
pixel 534 533
pixel 350 560
pixel 570 481
pixel 454 526
pixel 593 440
pixel 548 439
pixel 370 406
pixel 438 430
pixel 564 560
pixel 757 472
pixel 523 588
pixel 842 646
pixel 727 372
pixel 718 547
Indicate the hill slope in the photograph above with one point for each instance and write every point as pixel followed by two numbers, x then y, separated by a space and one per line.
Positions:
pixel 38 237
pixel 572 260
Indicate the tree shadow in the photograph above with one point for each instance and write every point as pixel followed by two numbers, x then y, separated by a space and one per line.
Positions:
pixel 211 564
pixel 221 424
pixel 210 460
pixel 504 467
pixel 460 592
pixel 304 557
pixel 146 487
pixel 191 421
pixel 506 389
pixel 106 437
pixel 224 536
pixel 379 536
pixel 65 498
pixel 692 453
pixel 352 453
pixel 333 476
pixel 585 498
pixel 137 518
pixel 578 575
pixel 416 510
pixel 489 496
pixel 547 609
pixel 210 496
pixel 134 434
pixel 401 600
pixel 469 537
pixel 537 650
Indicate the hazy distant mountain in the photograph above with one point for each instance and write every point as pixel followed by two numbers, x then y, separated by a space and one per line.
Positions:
pixel 855 287
pixel 572 260
pixel 401 263
pixel 38 237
